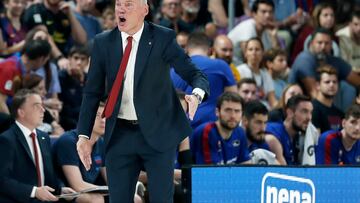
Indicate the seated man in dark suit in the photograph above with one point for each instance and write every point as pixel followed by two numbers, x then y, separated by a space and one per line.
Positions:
pixel 26 172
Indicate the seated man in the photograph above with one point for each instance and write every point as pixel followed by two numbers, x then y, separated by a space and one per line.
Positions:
pixel 298 116
pixel 223 141
pixel 26 172
pixel 254 123
pixel 73 172
pixel 341 146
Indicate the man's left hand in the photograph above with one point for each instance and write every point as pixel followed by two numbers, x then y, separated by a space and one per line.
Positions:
pixel 193 104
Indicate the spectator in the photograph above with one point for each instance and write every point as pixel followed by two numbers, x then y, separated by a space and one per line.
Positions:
pixel 247 89
pixel 23 148
pixel 276 63
pixel 303 70
pixel 298 116
pixel 34 55
pixel 323 16
pixel 254 122
pixel 253 68
pixel 278 113
pixel 108 19
pixel 72 171
pixel 88 21
pixel 261 25
pixel 190 10
pixel 13 31
pixel 218 74
pixel 325 115
pixel 223 141
pixel 59 20
pixel 223 49
pixel 37 83
pixel 341 147
pixel 171 16
pixel 72 81
pixel 349 41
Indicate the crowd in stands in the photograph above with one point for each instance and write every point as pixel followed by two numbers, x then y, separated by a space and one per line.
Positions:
pixel 287 71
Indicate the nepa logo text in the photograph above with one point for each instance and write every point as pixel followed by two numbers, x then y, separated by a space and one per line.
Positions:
pixel 280 188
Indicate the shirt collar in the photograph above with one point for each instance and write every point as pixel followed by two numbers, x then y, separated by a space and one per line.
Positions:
pixel 136 36
pixel 26 131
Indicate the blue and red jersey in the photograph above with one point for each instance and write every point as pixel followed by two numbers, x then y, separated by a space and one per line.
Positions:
pixel 330 150
pixel 289 150
pixel 209 147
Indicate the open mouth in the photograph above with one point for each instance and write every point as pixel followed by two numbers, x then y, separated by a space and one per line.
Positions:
pixel 122 19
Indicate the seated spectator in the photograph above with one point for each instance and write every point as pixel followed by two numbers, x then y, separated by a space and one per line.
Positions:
pixel 88 21
pixel 261 26
pixel 253 68
pixel 341 147
pixel 254 123
pixel 33 56
pixel 278 113
pixel 349 41
pixel 325 115
pixel 59 20
pixel 247 89
pixel 108 19
pixel 72 171
pixel 298 116
pixel 323 16
pixel 27 173
pixel 223 141
pixel 37 83
pixel 303 70
pixel 275 62
pixel 12 29
pixel 72 82
pixel 171 17
pixel 190 10
pixel 223 49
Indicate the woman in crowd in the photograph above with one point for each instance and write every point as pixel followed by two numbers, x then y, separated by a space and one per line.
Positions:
pixel 253 68
pixel 278 113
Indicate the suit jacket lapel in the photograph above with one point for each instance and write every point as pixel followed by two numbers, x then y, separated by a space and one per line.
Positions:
pixel 145 46
pixel 23 142
pixel 116 52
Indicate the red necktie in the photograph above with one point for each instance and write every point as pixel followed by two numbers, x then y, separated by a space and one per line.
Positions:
pixel 111 101
pixel 36 156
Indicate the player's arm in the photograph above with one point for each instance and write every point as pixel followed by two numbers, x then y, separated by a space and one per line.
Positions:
pixel 275 147
pixel 74 178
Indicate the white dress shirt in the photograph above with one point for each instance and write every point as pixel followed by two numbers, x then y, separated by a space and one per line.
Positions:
pixel 127 109
pixel 26 132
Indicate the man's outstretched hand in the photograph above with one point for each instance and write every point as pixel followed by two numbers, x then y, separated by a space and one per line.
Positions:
pixel 84 149
pixel 193 104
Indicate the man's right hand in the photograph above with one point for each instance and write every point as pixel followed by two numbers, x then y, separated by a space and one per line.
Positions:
pixel 44 194
pixel 84 148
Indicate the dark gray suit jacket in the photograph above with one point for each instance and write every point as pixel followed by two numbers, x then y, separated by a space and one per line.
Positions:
pixel 160 116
